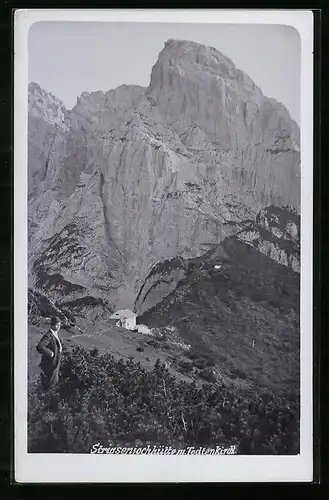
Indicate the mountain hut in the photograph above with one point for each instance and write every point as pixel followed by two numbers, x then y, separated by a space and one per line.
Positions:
pixel 125 318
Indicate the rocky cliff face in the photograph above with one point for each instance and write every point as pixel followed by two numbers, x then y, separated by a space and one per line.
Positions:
pixel 276 234
pixel 134 177
pixel 48 126
pixel 205 98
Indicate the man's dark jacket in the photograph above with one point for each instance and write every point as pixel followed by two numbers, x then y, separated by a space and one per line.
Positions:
pixel 48 345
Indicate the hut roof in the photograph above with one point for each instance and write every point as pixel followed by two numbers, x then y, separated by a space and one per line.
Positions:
pixel 123 313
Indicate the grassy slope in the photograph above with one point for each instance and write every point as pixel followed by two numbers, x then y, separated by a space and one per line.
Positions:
pixel 105 337
pixel 244 316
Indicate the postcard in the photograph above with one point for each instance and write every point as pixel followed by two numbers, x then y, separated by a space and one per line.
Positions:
pixel 163 185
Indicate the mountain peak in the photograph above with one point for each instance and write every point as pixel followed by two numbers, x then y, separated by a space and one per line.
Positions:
pixel 193 84
pixel 34 89
pixel 194 47
pixel 193 57
pixel 43 104
pixel 153 174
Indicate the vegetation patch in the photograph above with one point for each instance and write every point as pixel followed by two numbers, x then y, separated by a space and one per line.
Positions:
pixel 116 402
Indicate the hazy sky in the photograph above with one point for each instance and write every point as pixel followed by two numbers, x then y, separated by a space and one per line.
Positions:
pixel 67 58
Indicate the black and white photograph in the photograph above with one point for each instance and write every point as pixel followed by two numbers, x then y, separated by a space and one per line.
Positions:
pixel 163 174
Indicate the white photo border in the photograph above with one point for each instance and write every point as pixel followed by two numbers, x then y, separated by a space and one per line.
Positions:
pixel 88 468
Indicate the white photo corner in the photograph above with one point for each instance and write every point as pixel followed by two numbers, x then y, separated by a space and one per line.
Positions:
pixel 163 217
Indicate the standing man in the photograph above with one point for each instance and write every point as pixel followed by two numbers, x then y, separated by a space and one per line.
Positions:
pixel 50 348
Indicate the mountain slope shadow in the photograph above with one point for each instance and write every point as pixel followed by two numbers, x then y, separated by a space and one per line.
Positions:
pixel 243 315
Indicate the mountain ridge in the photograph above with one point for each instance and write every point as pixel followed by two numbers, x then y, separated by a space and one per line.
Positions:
pixel 151 174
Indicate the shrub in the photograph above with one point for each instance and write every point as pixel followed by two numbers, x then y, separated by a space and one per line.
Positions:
pixel 239 373
pixel 202 362
pixel 207 374
pixel 154 343
pixel 33 311
pixel 117 402
pixel 185 367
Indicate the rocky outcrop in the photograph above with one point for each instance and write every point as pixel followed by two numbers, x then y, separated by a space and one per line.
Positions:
pixel 48 126
pixel 160 282
pixel 243 317
pixel 134 177
pixel 274 233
